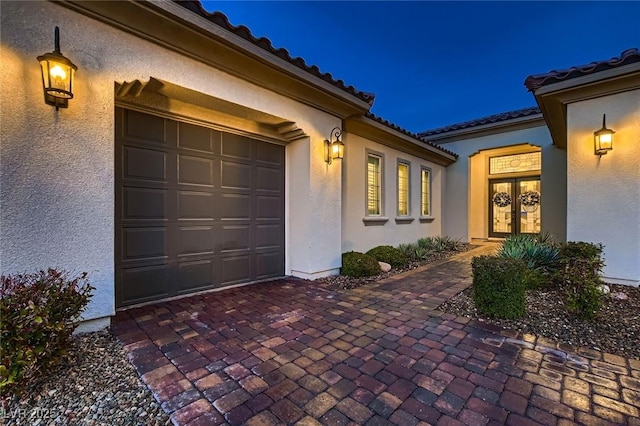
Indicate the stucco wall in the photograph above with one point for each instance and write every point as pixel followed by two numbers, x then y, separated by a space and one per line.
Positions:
pixel 603 197
pixel 57 169
pixel 465 197
pixel 360 237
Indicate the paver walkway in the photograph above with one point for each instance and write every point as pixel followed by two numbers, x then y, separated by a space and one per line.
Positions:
pixel 297 352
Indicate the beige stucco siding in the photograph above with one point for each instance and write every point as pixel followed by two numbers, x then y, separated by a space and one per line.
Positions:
pixel 603 197
pixel 57 170
pixel 360 237
pixel 465 197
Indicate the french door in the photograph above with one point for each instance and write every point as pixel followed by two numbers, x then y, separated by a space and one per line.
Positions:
pixel 514 206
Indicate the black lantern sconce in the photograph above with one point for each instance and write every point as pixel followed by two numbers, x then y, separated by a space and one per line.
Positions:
pixel 333 149
pixel 57 76
pixel 603 138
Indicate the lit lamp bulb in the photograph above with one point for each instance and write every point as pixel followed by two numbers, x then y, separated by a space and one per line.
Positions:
pixel 603 138
pixel 337 150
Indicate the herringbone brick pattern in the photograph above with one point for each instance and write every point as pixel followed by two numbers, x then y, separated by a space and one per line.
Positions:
pixel 297 352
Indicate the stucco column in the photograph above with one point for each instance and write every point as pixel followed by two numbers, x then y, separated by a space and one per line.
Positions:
pixel 313 203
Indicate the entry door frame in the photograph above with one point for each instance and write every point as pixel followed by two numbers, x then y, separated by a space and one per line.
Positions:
pixel 515 204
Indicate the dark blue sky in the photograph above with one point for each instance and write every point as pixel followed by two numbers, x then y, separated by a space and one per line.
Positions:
pixel 432 64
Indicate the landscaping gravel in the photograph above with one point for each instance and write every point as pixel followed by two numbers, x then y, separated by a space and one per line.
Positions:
pixel 96 385
pixel 616 329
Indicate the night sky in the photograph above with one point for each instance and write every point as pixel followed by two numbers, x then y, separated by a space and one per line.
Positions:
pixel 432 64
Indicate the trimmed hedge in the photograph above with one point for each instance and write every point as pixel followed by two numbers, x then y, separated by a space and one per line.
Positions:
pixel 356 264
pixel 499 286
pixel 579 277
pixel 390 255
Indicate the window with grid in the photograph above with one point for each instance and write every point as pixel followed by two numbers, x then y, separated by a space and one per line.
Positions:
pixel 403 189
pixel 373 185
pixel 425 208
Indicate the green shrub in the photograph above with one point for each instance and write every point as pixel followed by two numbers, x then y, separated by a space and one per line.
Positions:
pixel 390 255
pixel 499 286
pixel 39 312
pixel 535 279
pixel 355 264
pixel 579 277
pixel 537 251
pixel 409 251
pixel 446 243
pixel 427 243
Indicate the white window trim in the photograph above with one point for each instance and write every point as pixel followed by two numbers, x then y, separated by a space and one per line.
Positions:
pixel 403 218
pixel 429 217
pixel 374 219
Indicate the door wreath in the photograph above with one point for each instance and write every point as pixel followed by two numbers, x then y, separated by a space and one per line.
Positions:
pixel 502 199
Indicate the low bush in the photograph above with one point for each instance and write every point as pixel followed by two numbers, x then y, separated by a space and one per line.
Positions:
pixel 499 286
pixel 355 264
pixel 390 255
pixel 537 251
pixel 579 277
pixel 39 312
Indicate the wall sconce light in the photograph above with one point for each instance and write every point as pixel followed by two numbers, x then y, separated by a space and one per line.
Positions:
pixel 57 76
pixel 603 138
pixel 333 150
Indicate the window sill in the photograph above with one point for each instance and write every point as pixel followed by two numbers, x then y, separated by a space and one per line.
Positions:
pixel 375 220
pixel 404 219
pixel 424 219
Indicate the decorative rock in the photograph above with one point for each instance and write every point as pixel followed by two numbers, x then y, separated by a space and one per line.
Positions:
pixel 385 267
pixel 620 296
pixel 604 289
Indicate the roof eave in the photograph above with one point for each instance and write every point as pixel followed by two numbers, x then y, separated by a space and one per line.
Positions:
pixel 174 27
pixel 487 129
pixel 554 98
pixel 385 135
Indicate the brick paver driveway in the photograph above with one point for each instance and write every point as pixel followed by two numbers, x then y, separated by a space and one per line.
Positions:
pixel 296 352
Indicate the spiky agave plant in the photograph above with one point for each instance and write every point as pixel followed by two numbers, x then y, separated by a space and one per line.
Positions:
pixel 536 252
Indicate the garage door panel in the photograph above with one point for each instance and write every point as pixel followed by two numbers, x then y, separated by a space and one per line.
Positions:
pixel 143 284
pixel 269 236
pixel 270 153
pixel 236 146
pixel 144 164
pixel 196 171
pixel 235 175
pixel 195 205
pixel 235 238
pixel 268 207
pixel 144 203
pixel 196 208
pixel 235 269
pixel 144 243
pixel 195 276
pixel 195 240
pixel 234 207
pixel 149 128
pixel 268 179
pixel 268 264
pixel 197 138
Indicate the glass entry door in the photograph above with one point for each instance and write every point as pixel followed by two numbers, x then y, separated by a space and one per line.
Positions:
pixel 514 206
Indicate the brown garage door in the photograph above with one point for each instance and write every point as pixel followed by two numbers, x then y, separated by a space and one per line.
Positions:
pixel 196 208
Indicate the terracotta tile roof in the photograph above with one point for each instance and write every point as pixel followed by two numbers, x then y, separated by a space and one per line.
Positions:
pixel 221 20
pixel 536 81
pixel 496 118
pixel 408 133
